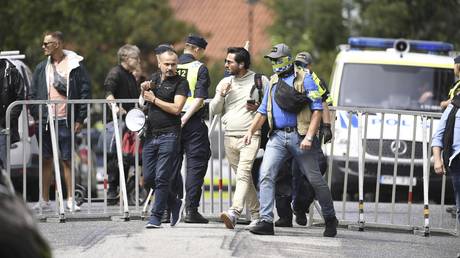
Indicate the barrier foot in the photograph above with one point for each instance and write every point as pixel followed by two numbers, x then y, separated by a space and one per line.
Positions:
pixel 126 216
pixel 62 218
pixel 425 232
pixel 357 227
pixel 143 215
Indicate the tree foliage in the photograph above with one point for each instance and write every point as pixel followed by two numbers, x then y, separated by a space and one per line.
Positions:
pixel 412 19
pixel 94 29
pixel 316 26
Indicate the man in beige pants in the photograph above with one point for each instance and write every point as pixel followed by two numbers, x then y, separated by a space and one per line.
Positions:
pixel 237 99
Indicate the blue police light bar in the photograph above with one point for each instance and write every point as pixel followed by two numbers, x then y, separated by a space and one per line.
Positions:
pixel 417 45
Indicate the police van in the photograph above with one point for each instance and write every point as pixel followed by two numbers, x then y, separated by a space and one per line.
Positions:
pixel 387 74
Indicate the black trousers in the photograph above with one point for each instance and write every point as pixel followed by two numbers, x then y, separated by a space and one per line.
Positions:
pixel 293 187
pixel 195 145
pixel 113 172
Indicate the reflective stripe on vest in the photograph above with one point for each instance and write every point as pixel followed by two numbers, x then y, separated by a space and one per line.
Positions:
pixel 454 90
pixel 190 72
pixel 321 88
pixel 319 83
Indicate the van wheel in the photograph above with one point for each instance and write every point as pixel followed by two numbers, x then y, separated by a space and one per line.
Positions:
pixel 79 197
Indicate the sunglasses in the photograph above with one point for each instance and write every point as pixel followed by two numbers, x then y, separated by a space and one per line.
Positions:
pixel 300 64
pixel 46 44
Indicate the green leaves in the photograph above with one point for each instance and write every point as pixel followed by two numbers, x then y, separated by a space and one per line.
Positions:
pixel 94 29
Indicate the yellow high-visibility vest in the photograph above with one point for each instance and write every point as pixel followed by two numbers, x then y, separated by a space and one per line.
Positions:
pixel 190 72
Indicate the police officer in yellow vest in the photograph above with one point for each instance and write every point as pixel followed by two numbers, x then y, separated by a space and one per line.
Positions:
pixel 292 135
pixel 303 61
pixel 456 87
pixel 194 135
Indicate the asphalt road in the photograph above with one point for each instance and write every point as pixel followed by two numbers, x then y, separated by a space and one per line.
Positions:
pixel 130 239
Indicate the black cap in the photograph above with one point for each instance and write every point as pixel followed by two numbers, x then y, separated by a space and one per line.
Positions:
pixel 304 57
pixel 160 49
pixel 197 41
pixel 457 60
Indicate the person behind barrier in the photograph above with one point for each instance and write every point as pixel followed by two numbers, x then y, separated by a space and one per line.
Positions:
pixel 119 83
pixel 165 96
pixel 293 107
pixel 61 76
pixel 194 137
pixel 446 147
pixel 237 98
pixel 456 86
pixel 12 89
pixel 19 235
pixel 300 192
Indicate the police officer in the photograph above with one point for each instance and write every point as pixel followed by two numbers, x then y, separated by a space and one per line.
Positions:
pixel 194 136
pixel 456 86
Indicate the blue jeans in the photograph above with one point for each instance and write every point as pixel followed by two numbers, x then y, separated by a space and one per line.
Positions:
pixel 280 147
pixel 158 155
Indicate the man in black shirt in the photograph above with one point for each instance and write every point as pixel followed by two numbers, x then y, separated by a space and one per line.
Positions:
pixel 165 96
pixel 119 84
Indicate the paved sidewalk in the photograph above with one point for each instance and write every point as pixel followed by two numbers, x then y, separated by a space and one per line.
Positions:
pixel 130 239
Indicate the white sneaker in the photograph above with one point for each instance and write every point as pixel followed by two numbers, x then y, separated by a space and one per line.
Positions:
pixel 45 206
pixel 69 205
pixel 252 224
pixel 229 218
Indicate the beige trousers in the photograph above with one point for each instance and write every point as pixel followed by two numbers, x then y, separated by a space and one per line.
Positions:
pixel 241 157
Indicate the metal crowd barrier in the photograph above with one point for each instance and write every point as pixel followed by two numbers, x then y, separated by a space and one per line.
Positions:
pixel 365 212
pixel 26 143
pixel 370 151
pixel 98 207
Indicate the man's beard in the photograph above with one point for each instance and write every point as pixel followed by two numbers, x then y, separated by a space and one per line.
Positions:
pixel 234 72
pixel 170 73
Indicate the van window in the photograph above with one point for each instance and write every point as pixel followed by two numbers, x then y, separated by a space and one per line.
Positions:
pixel 394 86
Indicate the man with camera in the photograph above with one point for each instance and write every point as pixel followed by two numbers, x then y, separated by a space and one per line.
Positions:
pixel 237 98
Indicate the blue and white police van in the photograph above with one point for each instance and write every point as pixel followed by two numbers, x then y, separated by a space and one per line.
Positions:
pixel 387 74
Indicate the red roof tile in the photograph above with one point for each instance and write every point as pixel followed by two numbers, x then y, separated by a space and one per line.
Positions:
pixel 226 23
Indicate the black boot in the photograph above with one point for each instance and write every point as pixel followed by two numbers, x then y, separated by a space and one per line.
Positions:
pixel 283 207
pixel 193 216
pixel 166 218
pixel 263 228
pixel 331 227
pixel 284 222
pixel 301 218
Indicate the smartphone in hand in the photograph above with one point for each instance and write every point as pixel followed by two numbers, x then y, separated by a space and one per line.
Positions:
pixel 251 101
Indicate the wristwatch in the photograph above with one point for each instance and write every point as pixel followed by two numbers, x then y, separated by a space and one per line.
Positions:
pixel 308 138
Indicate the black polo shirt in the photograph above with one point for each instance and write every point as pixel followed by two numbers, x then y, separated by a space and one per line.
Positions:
pixel 166 90
pixel 122 85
